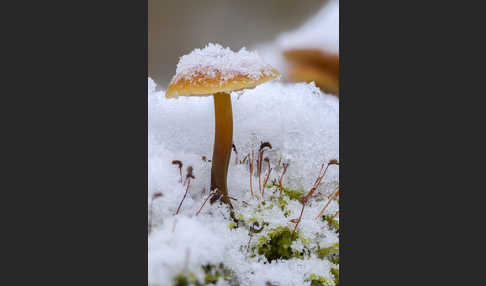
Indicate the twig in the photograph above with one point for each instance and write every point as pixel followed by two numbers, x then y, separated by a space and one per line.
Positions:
pixel 285 166
pixel 251 172
pixel 185 194
pixel 268 175
pixel 260 163
pixel 334 215
pixel 335 193
pixel 298 221
pixel 207 198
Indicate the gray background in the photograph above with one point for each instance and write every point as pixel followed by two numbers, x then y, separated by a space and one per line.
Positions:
pixel 176 27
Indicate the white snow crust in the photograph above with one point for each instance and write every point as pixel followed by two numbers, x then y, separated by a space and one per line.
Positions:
pixel 300 122
pixel 214 60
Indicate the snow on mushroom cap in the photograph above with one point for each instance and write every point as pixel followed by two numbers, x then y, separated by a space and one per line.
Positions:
pixel 214 60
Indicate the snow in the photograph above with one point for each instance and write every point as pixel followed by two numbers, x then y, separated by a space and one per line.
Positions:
pixel 214 60
pixel 302 125
pixel 319 32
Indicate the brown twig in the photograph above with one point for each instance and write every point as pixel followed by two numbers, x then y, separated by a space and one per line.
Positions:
pixel 334 215
pixel 331 218
pixel 268 175
pixel 307 197
pixel 185 194
pixel 250 162
pixel 334 195
pixel 178 163
pixel 285 166
pixel 154 196
pixel 298 221
pixel 263 145
pixel 207 198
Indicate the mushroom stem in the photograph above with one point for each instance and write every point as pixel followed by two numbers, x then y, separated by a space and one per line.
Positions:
pixel 223 140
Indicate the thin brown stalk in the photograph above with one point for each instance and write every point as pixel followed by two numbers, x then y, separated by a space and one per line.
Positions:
pixel 260 163
pixel 285 166
pixel 250 162
pixel 334 195
pixel 207 198
pixel 298 221
pixel 268 175
pixel 334 215
pixel 185 194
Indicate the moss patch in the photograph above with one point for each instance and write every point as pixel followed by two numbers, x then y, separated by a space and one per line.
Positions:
pixel 331 222
pixel 288 192
pixel 320 280
pixel 212 274
pixel 335 273
pixel 277 244
pixel 330 253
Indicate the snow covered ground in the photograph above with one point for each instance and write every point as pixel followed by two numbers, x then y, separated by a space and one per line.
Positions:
pixel 302 125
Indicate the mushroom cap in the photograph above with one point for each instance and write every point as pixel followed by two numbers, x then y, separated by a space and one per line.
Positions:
pixel 215 69
pixel 202 85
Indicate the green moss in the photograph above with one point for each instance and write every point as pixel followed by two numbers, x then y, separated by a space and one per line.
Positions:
pixel 335 273
pixel 288 192
pixel 292 194
pixel 232 226
pixel 251 220
pixel 319 280
pixel 186 280
pixel 277 244
pixel 330 253
pixel 212 274
pixel 331 222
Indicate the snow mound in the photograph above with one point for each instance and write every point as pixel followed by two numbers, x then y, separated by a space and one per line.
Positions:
pixel 214 60
pixel 319 32
pixel 302 125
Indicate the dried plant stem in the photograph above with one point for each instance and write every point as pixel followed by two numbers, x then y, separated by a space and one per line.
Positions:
pixel 285 166
pixel 251 172
pixel 207 198
pixel 334 195
pixel 334 215
pixel 268 176
pixel 259 171
pixel 266 180
pixel 298 221
pixel 185 194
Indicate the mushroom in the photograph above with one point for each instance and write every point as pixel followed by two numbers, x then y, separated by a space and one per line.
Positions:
pixel 217 71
